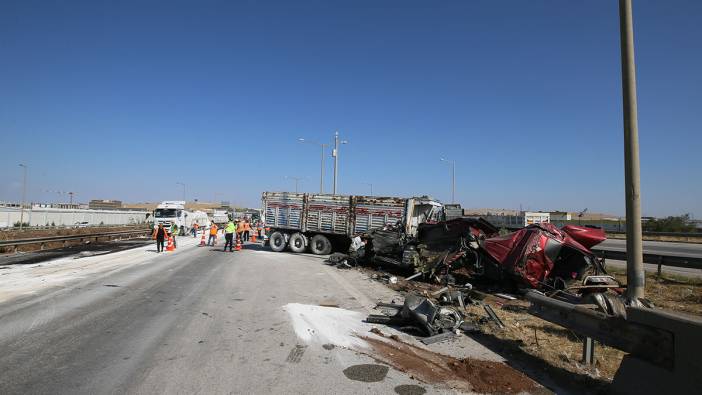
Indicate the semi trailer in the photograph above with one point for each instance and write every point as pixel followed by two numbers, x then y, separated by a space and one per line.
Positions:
pixel 321 222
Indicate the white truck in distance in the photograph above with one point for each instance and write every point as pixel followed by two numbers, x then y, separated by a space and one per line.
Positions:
pixel 171 212
pixel 220 216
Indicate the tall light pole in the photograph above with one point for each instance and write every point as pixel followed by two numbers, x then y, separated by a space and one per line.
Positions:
pixel 371 187
pixel 634 255
pixel 321 167
pixel 297 179
pixel 335 154
pixel 183 185
pixel 24 193
pixel 453 178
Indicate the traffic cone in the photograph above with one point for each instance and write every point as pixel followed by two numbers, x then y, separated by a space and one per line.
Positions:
pixel 169 246
pixel 253 238
pixel 202 240
pixel 238 244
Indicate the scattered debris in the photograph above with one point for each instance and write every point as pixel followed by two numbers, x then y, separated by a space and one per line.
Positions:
pixel 412 277
pixel 421 314
pixel 506 296
pixel 377 331
pixel 491 313
pixel 328 346
pixel 111 285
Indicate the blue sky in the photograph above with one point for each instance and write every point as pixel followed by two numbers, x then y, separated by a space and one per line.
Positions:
pixel 122 100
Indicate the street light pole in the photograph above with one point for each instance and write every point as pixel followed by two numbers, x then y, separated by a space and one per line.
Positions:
pixel 180 183
pixel 24 193
pixel 634 255
pixel 335 154
pixel 453 178
pixel 321 167
pixel 371 187
pixel 297 179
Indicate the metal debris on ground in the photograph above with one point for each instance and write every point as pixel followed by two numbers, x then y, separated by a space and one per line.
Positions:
pixel 491 313
pixel 421 314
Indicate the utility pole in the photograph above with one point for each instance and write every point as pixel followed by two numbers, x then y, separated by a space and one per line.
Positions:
pixel 335 154
pixel 453 178
pixel 297 180
pixel 371 187
pixel 321 166
pixel 70 195
pixel 634 256
pixel 24 193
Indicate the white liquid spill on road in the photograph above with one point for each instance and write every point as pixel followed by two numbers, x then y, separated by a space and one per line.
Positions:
pixel 319 324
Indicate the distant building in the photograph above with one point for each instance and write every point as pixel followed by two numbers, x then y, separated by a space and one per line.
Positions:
pixel 105 204
pixel 561 216
pixel 519 221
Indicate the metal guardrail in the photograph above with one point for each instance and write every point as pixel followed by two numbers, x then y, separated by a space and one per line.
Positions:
pixel 656 259
pixel 53 239
pixel 672 234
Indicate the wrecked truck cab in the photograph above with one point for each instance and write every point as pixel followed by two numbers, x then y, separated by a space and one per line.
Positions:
pixel 544 256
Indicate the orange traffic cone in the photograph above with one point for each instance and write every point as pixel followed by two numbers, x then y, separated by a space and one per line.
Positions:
pixel 238 244
pixel 202 240
pixel 170 246
pixel 253 238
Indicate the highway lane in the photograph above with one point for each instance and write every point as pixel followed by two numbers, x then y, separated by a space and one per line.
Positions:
pixel 196 321
pixel 656 247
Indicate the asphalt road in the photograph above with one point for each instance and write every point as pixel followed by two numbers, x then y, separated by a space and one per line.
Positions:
pixel 656 247
pixel 195 321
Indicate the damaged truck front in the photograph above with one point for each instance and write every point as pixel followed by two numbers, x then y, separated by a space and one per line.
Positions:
pixel 540 256
pixel 320 222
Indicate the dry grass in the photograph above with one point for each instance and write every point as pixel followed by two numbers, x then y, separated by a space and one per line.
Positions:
pixel 556 346
pixel 670 292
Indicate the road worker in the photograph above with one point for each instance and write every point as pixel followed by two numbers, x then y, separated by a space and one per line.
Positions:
pixel 247 230
pixel 229 236
pixel 240 230
pixel 195 229
pixel 159 235
pixel 174 232
pixel 213 234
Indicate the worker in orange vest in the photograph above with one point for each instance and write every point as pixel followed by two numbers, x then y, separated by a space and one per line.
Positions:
pixel 213 234
pixel 247 230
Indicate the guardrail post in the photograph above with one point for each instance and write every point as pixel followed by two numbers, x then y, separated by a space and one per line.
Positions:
pixel 660 264
pixel 588 351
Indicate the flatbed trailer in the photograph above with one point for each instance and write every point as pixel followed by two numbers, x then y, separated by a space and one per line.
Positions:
pixel 322 221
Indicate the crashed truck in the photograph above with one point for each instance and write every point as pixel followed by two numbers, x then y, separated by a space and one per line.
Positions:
pixel 326 222
pixel 539 256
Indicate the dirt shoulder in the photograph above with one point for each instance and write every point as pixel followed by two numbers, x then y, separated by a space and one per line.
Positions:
pixel 547 350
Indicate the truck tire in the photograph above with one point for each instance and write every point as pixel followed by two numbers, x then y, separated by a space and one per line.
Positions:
pixel 320 245
pixel 277 241
pixel 297 243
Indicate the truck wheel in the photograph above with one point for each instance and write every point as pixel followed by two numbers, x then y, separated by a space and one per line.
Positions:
pixel 297 243
pixel 320 245
pixel 277 241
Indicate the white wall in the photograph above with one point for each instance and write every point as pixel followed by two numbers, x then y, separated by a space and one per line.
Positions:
pixel 43 216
